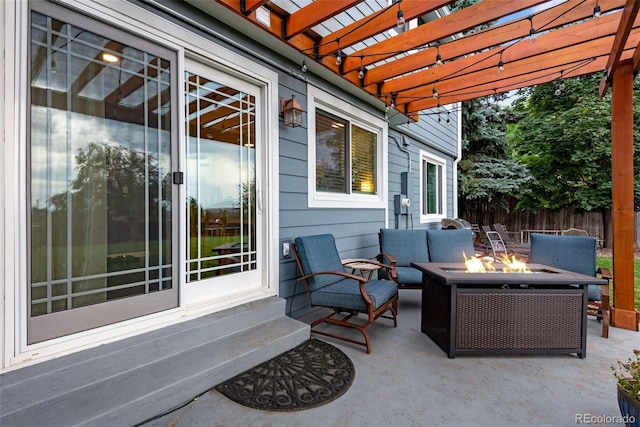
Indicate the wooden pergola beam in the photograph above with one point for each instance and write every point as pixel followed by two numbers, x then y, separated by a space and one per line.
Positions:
pixel 563 14
pixel 624 29
pixel 523 58
pixel 248 6
pixel 312 15
pixel 624 314
pixel 369 27
pixel 455 23
pixel 501 86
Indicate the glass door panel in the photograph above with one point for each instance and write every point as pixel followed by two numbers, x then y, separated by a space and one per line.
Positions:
pixel 101 156
pixel 221 180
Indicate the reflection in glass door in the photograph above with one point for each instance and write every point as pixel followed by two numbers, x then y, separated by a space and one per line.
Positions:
pixel 101 155
pixel 221 179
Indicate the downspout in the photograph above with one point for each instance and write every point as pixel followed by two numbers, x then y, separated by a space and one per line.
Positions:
pixel 404 149
pixel 400 208
pixel 455 164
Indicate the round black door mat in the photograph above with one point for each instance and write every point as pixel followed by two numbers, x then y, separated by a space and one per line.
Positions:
pixel 310 375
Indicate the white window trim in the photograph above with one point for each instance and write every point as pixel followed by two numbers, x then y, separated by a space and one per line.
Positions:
pixel 431 158
pixel 320 99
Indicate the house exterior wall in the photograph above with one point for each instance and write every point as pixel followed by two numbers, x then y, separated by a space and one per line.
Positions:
pixel 355 228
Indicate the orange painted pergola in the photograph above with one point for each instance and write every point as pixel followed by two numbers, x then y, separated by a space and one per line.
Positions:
pixel 516 44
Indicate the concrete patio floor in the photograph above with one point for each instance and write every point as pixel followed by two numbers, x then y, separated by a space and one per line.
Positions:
pixel 408 380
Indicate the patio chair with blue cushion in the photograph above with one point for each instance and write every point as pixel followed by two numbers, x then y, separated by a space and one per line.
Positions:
pixel 329 285
pixel 577 254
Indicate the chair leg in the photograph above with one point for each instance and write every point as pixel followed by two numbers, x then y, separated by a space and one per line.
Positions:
pixel 606 314
pixel 344 322
pixel 394 310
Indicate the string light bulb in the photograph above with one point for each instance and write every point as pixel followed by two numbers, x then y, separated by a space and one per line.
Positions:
pixel 438 56
pixel 532 30
pixel 304 65
pixel 500 64
pixel 361 71
pixel 338 58
pixel 435 92
pixel 597 12
pixel 560 86
pixel 400 21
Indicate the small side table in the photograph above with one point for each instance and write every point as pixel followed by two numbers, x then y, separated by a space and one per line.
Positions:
pixel 361 266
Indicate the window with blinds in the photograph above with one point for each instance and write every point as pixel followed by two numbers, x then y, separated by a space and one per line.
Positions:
pixel 346 156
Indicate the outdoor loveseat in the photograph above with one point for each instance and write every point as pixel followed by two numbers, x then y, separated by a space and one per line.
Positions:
pixel 400 248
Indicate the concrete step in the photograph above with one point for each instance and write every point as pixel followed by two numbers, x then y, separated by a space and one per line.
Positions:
pixel 129 381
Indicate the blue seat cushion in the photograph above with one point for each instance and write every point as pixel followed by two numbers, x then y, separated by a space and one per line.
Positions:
pixel 450 245
pixel 406 246
pixel 409 276
pixel 346 294
pixel 595 293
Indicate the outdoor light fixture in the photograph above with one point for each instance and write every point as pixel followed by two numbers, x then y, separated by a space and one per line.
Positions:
pixel 500 64
pixel 438 56
pixel 304 65
pixel 291 112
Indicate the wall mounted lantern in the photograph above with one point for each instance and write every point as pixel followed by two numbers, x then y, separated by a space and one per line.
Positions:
pixel 291 111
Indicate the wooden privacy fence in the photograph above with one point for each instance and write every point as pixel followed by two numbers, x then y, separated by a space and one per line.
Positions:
pixel 546 219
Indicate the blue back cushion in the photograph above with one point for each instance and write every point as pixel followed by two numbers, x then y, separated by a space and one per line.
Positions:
pixel 406 246
pixel 573 253
pixel 317 254
pixel 450 245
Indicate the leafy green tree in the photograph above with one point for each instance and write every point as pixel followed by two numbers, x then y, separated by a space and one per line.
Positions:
pixel 564 139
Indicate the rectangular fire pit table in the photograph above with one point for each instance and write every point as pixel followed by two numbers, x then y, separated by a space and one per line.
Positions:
pixel 542 312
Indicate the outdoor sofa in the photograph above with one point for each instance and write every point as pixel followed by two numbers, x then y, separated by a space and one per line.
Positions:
pixel 400 248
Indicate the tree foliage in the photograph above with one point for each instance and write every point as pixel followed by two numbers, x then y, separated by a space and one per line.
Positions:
pixel 564 139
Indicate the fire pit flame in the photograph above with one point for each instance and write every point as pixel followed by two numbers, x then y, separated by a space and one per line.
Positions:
pixel 511 265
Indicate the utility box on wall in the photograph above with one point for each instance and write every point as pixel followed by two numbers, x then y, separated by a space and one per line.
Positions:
pixel 406 183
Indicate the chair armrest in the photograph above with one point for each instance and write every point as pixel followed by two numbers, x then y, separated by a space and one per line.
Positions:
pixel 366 261
pixel 336 273
pixel 604 272
pixel 382 256
pixel 390 266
